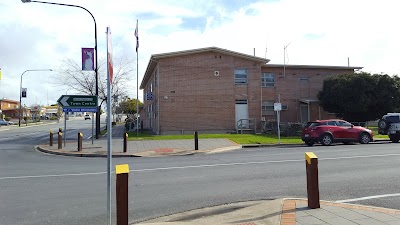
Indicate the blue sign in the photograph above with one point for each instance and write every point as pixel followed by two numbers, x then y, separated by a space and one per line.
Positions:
pixel 80 110
pixel 149 96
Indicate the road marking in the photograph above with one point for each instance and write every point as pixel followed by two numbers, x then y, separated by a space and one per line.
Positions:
pixel 201 166
pixel 4 129
pixel 368 197
pixel 52 175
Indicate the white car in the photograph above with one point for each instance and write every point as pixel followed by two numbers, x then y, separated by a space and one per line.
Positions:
pixel 87 117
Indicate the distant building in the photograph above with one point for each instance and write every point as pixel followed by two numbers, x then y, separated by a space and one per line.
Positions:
pixel 9 108
pixel 216 90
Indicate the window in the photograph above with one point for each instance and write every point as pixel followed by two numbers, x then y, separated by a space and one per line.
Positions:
pixel 268 108
pixel 267 80
pixel 332 123
pixel 240 76
pixel 392 119
pixel 343 124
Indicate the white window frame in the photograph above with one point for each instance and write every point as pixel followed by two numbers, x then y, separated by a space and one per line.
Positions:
pixel 241 76
pixel 266 80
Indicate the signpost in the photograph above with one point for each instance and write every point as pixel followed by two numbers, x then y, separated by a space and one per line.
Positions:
pixel 77 103
pixel 277 109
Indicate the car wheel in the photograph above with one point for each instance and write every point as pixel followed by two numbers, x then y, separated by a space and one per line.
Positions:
pixel 309 143
pixel 365 138
pixel 383 124
pixel 326 139
pixel 394 138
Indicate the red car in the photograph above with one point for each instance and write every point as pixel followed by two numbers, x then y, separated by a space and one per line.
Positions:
pixel 328 131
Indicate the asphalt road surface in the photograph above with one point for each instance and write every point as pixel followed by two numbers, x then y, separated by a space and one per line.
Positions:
pixel 37 188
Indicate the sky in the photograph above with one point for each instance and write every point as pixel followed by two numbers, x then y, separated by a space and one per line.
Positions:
pixel 315 32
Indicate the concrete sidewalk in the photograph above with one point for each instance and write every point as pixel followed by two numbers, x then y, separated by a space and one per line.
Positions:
pixel 141 148
pixel 283 212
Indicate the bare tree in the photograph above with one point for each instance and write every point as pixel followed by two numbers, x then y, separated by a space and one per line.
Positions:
pixel 71 75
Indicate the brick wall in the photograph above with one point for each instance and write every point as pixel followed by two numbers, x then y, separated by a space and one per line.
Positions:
pixel 188 96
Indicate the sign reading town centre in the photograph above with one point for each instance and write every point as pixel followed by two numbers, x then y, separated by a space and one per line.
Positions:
pixel 78 103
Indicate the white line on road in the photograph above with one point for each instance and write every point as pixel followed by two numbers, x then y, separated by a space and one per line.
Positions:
pixel 368 197
pixel 52 175
pixel 203 166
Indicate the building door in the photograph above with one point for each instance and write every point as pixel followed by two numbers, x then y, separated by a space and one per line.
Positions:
pixel 242 113
pixel 304 113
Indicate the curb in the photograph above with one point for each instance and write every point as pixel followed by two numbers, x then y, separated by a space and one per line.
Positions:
pixel 64 153
pixel 271 145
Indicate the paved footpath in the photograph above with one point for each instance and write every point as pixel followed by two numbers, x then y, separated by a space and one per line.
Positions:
pixel 283 212
pixel 140 148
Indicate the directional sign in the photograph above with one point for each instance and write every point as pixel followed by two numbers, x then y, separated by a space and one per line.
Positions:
pixel 78 103
pixel 80 110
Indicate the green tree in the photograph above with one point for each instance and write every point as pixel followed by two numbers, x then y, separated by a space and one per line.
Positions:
pixel 70 75
pixel 128 106
pixel 360 97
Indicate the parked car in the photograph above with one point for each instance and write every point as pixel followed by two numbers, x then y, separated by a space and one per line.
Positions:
pixel 5 123
pixel 390 125
pixel 328 131
pixel 87 117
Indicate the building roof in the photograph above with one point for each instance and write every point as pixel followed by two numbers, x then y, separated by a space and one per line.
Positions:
pixel 153 60
pixel 8 100
pixel 312 67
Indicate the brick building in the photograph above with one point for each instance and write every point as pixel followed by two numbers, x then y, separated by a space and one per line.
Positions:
pixel 217 90
pixel 9 108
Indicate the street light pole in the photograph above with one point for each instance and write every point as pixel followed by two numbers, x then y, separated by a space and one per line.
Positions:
pixel 20 92
pixel 95 50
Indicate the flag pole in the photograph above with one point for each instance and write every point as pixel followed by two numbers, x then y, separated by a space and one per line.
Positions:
pixel 137 79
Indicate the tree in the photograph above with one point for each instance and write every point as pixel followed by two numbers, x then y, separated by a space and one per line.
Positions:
pixel 128 106
pixel 72 76
pixel 360 97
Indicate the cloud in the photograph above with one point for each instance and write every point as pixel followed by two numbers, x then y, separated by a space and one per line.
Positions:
pixel 319 32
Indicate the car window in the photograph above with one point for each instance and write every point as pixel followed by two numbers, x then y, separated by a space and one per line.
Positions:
pixel 332 123
pixel 344 124
pixel 392 119
pixel 312 124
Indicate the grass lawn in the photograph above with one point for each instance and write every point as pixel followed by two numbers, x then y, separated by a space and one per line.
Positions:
pixel 376 134
pixel 238 138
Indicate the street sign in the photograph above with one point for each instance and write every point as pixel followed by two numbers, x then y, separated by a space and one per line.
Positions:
pixel 78 103
pixel 80 110
pixel 277 106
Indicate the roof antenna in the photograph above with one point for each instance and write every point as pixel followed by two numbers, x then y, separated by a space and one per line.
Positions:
pixel 284 59
pixel 266 47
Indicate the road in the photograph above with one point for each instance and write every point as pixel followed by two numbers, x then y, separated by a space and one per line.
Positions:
pixel 37 188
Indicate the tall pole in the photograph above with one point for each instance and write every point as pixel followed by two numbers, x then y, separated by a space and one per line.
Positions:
pixel 95 50
pixel 137 79
pixel 284 59
pixel 20 93
pixel 109 125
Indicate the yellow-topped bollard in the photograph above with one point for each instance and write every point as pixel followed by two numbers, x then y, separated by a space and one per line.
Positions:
pixel 312 180
pixel 80 137
pixel 122 172
pixel 51 138
pixel 309 156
